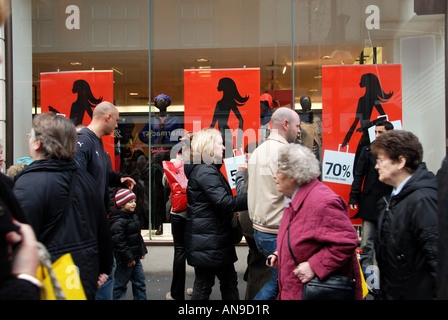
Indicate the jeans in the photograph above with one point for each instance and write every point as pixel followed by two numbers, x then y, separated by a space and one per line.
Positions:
pixel 368 232
pixel 267 244
pixel 135 274
pixel 179 266
pixel 205 280
pixel 105 291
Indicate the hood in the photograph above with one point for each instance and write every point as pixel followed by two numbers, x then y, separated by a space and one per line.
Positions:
pixel 49 165
pixel 189 167
pixel 421 178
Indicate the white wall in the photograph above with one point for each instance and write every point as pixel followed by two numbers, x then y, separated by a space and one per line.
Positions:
pixel 22 75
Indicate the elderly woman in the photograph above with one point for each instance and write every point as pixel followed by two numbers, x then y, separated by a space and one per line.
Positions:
pixel 209 242
pixel 62 203
pixel 406 243
pixel 315 227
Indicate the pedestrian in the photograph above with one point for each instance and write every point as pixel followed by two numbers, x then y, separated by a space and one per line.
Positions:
pixel 257 273
pixel 90 155
pixel 264 201
pixel 365 192
pixel 209 240
pixel 129 247
pixel 406 245
pixel 61 201
pixel 178 221
pixel 316 236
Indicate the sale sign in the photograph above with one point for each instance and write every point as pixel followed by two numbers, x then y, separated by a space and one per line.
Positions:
pixel 225 99
pixel 75 95
pixel 228 100
pixel 354 99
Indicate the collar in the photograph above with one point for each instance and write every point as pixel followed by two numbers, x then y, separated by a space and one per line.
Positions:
pixel 397 190
pixel 287 200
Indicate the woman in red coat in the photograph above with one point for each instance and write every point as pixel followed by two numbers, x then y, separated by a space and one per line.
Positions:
pixel 322 238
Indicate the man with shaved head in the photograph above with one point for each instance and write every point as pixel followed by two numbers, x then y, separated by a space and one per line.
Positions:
pixel 265 203
pixel 91 156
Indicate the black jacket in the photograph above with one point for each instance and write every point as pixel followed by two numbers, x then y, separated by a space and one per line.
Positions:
pixel 406 244
pixel 210 207
pixel 90 155
pixel 366 189
pixel 126 236
pixel 78 226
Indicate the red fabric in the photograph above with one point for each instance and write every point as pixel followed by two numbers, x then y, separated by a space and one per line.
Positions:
pixel 175 175
pixel 320 233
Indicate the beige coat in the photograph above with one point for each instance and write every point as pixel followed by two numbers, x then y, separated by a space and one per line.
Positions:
pixel 265 203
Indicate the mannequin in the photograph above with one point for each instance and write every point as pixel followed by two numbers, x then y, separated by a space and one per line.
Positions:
pixel 163 127
pixel 266 111
pixel 311 128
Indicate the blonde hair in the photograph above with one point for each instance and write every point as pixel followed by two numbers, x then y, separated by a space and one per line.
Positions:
pixel 298 162
pixel 202 146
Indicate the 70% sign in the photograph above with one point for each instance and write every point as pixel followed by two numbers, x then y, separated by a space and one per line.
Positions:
pixel 338 167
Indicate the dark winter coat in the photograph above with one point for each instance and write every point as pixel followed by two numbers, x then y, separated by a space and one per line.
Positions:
pixel 406 244
pixel 78 226
pixel 366 189
pixel 210 208
pixel 127 240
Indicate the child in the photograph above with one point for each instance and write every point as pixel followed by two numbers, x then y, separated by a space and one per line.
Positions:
pixel 128 246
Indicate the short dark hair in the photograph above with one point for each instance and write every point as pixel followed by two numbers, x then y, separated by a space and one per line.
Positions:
pixel 386 124
pixel 397 143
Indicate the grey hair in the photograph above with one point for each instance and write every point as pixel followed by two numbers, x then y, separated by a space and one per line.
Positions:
pixel 298 162
pixel 57 134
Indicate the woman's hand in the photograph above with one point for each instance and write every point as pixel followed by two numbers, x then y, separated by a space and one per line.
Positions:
pixel 304 272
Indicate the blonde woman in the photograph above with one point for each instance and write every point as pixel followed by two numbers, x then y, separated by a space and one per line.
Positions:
pixel 210 207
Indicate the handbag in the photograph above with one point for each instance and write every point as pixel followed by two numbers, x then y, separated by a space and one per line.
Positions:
pixel 175 175
pixel 334 287
pixel 60 279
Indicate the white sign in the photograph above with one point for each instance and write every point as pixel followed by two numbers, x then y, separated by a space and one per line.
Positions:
pixel 337 166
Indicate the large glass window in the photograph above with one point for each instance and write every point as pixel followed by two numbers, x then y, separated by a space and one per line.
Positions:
pixel 298 52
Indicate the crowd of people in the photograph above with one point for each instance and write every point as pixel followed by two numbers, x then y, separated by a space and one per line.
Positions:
pixel 298 229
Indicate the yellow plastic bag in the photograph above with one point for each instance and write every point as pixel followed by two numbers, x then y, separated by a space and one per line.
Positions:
pixel 61 279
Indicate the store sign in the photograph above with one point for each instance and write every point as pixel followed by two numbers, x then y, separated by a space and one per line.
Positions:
pixel 225 99
pixel 75 95
pixel 228 100
pixel 354 99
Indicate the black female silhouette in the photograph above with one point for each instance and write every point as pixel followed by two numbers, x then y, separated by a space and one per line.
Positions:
pixel 231 100
pixel 84 103
pixel 373 97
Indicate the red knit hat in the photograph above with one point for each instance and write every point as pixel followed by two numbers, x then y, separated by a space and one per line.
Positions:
pixel 123 196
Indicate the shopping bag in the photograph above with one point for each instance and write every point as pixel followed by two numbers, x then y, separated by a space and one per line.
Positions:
pixel 60 279
pixel 231 165
pixel 337 166
pixel 174 171
pixel 397 126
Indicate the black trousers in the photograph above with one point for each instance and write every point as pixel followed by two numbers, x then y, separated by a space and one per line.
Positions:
pixel 205 280
pixel 179 262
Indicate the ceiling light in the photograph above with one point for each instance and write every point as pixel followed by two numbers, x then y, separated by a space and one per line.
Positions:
pixel 133 93
pixel 202 60
pixel 76 63
pixel 284 70
pixel 326 57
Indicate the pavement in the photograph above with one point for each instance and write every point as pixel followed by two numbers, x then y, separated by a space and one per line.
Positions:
pixel 158 285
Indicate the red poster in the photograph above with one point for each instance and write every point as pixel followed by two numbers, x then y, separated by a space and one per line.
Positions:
pixel 226 99
pixel 353 99
pixel 75 95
